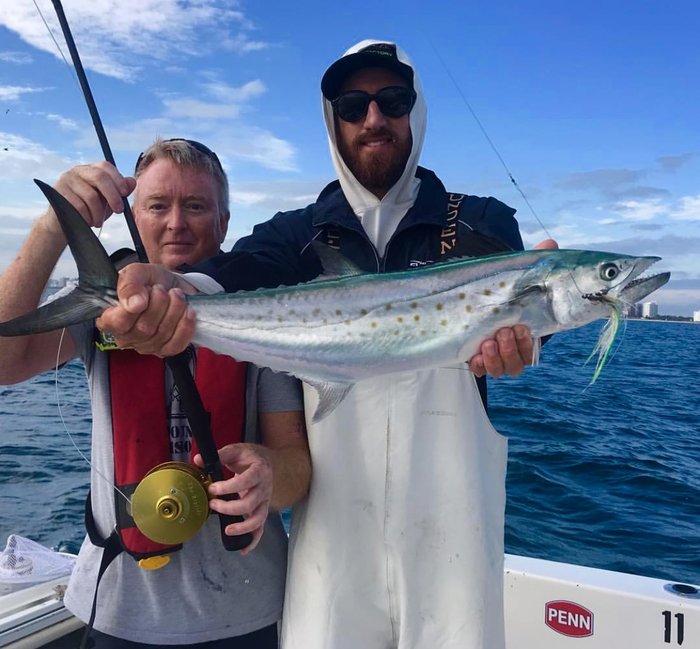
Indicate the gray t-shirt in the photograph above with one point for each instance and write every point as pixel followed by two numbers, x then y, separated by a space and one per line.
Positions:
pixel 205 593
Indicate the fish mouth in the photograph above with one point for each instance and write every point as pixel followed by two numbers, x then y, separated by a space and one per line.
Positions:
pixel 640 287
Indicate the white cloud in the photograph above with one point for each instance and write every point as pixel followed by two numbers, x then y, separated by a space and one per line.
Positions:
pixel 641 210
pixel 118 38
pixel 21 158
pixel 198 109
pixel 241 43
pixel 64 122
pixel 260 146
pixel 247 198
pixel 13 93
pixel 19 58
pixel 688 210
pixel 242 94
pixel 230 101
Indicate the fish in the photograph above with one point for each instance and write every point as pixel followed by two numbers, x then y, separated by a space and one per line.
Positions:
pixel 348 325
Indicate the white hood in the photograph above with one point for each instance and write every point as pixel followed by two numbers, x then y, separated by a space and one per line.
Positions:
pixel 380 218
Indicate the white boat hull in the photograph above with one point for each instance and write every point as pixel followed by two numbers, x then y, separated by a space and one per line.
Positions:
pixel 548 605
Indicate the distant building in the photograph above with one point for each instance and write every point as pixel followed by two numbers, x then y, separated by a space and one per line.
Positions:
pixel 58 282
pixel 696 316
pixel 634 311
pixel 650 310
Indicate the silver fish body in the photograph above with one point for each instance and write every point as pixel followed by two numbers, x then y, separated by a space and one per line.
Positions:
pixel 347 326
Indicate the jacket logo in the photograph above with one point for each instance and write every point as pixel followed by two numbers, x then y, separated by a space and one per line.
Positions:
pixel 448 236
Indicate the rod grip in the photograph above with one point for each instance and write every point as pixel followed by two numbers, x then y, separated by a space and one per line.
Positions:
pixel 231 543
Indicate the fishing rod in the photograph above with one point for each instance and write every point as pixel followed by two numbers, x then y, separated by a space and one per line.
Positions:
pixel 197 416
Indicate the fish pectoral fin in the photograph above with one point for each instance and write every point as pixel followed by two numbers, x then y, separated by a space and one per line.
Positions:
pixel 329 396
pixel 333 262
pixel 534 291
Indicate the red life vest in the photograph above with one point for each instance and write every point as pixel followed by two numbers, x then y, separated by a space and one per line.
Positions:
pixel 140 424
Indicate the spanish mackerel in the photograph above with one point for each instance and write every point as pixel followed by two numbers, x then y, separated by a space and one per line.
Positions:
pixel 347 325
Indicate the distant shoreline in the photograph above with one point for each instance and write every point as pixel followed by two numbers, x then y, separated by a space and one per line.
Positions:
pixel 662 320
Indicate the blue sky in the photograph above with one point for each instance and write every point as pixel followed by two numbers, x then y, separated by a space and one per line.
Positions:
pixel 592 105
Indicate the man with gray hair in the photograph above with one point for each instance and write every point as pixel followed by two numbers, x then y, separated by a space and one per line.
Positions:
pixel 152 594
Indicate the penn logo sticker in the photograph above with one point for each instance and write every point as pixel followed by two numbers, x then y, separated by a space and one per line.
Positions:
pixel 568 618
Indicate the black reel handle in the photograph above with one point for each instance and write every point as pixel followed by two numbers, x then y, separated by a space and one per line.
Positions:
pixel 231 543
pixel 200 424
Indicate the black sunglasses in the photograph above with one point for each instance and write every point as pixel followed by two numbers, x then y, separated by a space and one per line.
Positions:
pixel 393 101
pixel 195 145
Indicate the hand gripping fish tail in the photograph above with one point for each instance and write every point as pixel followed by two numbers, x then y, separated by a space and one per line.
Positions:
pixel 346 325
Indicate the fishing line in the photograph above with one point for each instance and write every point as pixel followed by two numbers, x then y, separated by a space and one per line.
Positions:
pixel 58 47
pixel 490 141
pixel 615 316
pixel 60 408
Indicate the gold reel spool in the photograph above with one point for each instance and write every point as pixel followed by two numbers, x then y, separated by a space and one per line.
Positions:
pixel 171 504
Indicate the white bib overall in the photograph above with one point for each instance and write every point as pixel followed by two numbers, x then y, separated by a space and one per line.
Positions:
pixel 400 542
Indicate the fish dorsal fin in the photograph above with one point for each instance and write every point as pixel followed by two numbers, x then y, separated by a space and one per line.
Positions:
pixel 334 263
pixel 329 396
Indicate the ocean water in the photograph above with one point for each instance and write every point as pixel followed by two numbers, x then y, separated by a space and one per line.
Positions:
pixel 604 475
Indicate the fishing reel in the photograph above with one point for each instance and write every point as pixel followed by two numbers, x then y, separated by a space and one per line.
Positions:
pixel 171 502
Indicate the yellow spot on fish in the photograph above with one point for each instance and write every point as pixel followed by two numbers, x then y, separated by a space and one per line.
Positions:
pixel 363 311
pixel 438 307
pixel 501 284
pixel 373 325
pixel 338 312
pixel 496 309
pixel 443 322
pixel 462 296
pixel 468 308
pixel 388 307
pixel 414 305
pixel 347 322
pixel 416 318
pixel 487 291
pixel 399 319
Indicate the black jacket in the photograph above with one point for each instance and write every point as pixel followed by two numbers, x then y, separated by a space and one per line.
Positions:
pixel 278 252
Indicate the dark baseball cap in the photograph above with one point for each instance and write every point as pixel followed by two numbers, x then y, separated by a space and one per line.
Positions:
pixel 376 55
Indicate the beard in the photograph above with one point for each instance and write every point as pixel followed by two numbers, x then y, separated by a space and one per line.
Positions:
pixel 376 172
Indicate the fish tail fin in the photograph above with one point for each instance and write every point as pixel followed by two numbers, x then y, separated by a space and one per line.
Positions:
pixel 97 277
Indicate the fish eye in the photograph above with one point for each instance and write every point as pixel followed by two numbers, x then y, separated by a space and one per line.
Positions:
pixel 609 271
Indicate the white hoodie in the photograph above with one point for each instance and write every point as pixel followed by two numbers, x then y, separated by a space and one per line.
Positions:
pixel 380 218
